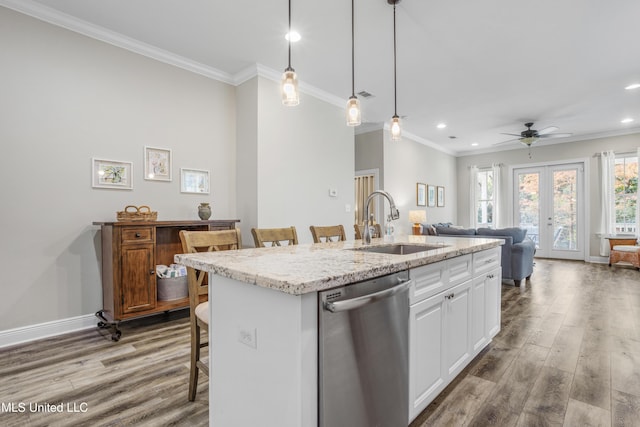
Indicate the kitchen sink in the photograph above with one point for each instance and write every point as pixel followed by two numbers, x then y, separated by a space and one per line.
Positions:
pixel 399 249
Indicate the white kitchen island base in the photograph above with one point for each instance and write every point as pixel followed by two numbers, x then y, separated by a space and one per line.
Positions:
pixel 275 383
pixel 264 319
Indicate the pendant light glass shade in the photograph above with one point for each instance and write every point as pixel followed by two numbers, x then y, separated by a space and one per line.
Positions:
pixel 396 131
pixel 353 112
pixel 289 84
pixel 290 93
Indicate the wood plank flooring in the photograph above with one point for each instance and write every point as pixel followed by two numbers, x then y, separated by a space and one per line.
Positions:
pixel 568 354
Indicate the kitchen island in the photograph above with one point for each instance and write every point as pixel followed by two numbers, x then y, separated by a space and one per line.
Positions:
pixel 264 317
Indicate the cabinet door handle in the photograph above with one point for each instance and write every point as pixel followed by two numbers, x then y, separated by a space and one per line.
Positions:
pixel 450 296
pixel 152 272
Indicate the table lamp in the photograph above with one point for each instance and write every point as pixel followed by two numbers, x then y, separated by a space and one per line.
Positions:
pixel 416 218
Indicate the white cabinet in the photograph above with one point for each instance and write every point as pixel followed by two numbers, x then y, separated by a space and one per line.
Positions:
pixel 426 362
pixel 457 327
pixel 493 293
pixel 454 313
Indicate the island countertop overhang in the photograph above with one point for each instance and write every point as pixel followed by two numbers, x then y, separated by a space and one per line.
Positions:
pixel 305 268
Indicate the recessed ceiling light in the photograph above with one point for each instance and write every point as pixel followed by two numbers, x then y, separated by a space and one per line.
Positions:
pixel 441 125
pixel 294 36
pixel 633 86
pixel 627 120
pixel 474 144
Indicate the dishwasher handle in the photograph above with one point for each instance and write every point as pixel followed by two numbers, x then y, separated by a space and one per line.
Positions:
pixel 351 304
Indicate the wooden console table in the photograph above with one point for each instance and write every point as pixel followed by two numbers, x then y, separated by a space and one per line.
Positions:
pixel 130 253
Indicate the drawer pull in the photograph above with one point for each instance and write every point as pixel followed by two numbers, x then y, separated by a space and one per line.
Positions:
pixel 138 235
pixel 152 272
pixel 489 261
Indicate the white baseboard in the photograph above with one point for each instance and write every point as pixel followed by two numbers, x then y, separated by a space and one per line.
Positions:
pixel 47 329
pixel 599 259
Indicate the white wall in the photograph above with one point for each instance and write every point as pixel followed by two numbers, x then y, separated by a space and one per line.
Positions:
pixel 547 154
pixel 406 163
pixel 65 99
pixel 298 154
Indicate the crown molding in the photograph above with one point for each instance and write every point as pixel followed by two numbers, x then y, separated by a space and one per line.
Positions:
pixel 423 141
pixel 52 16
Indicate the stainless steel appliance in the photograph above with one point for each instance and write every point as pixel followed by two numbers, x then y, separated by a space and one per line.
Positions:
pixel 363 353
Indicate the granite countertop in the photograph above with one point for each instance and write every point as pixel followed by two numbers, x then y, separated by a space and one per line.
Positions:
pixel 305 268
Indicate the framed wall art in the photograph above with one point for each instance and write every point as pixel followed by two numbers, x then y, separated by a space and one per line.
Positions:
pixel 157 164
pixel 421 194
pixel 111 174
pixel 431 195
pixel 194 181
pixel 440 197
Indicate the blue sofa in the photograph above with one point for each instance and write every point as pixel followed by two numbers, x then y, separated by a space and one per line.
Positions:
pixel 517 251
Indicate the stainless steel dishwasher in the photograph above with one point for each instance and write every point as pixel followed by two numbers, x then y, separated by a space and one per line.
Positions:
pixel 363 353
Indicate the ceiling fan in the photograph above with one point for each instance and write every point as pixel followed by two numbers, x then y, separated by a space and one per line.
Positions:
pixel 530 136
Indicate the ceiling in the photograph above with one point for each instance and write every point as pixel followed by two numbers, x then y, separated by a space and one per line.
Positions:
pixel 482 67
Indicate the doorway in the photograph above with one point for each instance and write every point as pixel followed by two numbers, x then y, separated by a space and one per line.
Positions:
pixel 550 205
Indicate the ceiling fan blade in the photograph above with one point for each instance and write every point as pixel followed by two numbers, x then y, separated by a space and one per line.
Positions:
pixel 512 134
pixel 507 142
pixel 548 129
pixel 555 135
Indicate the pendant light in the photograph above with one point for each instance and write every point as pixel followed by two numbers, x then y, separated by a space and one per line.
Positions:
pixel 395 120
pixel 290 94
pixel 353 105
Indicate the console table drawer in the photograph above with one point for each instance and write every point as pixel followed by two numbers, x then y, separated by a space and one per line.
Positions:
pixel 137 235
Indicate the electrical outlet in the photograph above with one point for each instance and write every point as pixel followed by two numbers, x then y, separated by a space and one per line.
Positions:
pixel 248 337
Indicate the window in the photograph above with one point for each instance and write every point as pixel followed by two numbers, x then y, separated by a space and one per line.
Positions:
pixel 485 200
pixel 626 193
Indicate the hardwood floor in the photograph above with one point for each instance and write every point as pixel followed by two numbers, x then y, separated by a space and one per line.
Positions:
pixel 142 380
pixel 568 354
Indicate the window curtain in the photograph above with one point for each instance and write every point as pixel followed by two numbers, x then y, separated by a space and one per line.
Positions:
pixel 638 199
pixel 364 186
pixel 473 196
pixel 497 202
pixel 607 189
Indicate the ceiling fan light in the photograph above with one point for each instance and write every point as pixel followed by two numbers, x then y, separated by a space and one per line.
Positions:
pixel 353 111
pixel 289 84
pixel 528 141
pixel 396 131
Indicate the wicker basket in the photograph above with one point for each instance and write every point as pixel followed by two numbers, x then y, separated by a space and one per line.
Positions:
pixel 137 213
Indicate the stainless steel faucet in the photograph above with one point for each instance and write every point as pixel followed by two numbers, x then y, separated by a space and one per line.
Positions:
pixel 395 214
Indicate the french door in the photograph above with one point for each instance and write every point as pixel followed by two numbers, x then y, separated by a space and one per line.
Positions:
pixel 549 204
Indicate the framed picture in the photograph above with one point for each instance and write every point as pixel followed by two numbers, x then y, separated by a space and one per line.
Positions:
pixel 431 195
pixel 157 164
pixel 421 194
pixel 440 197
pixel 111 174
pixel 194 181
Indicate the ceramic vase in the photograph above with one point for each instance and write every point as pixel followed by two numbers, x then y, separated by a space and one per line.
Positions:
pixel 204 211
